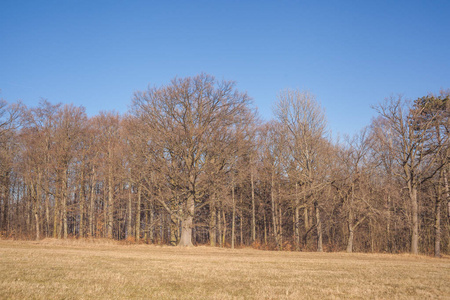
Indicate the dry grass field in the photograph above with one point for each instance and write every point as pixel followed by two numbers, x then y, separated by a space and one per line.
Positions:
pixel 106 270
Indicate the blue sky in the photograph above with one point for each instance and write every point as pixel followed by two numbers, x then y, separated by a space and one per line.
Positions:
pixel 350 54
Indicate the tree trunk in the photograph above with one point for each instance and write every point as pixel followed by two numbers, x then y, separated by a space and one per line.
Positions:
pixel 3 209
pixel 297 219
pixel 47 215
pixel 186 232
pixel 212 222
pixel 233 221
pixel 306 217
pixel 56 231
pixel 388 223
pixel 241 229
pixel 47 198
pixel 241 221
pixel 91 206
pixel 109 227
pixel 29 208
pixel 37 205
pixel 151 228
pixel 173 230
pixel 187 223
pixel 372 236
pixel 350 221
pixel 415 220
pixel 319 227
pixel 447 192
pixel 350 239
pixel 36 217
pixel 129 233
pixel 6 194
pixel 146 220
pixel 219 222
pixel 280 226
pixel 162 217
pixel 274 212
pixel 137 228
pixel 253 208
pixel 265 229
pixel 224 236
pixel 64 203
pixel 82 199
pixel 105 210
pixel 2 191
pixel 437 221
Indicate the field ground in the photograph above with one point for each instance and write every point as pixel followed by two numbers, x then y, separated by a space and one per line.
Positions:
pixel 74 269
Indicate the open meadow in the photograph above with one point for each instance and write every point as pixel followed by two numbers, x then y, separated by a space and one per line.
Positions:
pixel 74 269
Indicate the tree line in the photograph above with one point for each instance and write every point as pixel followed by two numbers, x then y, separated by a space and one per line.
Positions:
pixel 191 163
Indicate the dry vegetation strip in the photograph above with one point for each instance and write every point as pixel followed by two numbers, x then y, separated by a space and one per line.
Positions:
pixel 82 270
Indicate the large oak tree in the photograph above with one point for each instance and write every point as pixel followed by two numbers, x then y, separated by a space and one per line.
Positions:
pixel 187 119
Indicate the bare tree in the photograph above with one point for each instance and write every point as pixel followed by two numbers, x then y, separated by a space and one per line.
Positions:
pixel 436 111
pixel 303 126
pixel 408 138
pixel 351 179
pixel 184 119
pixel 70 124
pixel 10 120
pixel 107 124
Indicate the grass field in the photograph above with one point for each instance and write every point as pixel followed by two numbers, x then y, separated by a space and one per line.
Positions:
pixel 84 270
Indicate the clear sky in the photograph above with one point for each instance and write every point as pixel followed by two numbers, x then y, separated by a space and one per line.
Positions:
pixel 350 54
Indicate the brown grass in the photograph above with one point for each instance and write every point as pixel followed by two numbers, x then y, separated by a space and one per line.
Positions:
pixel 88 269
